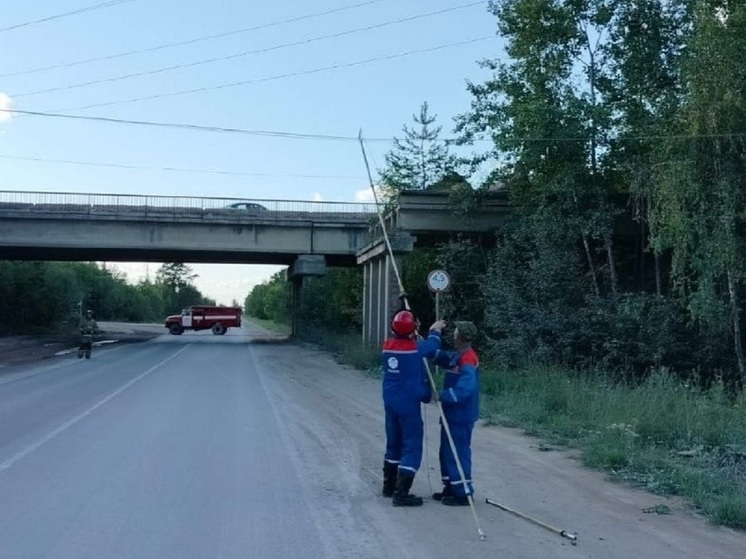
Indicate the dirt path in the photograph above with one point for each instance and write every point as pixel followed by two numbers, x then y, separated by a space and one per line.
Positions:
pixel 333 416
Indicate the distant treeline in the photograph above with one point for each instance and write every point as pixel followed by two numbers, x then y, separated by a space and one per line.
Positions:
pixel 49 296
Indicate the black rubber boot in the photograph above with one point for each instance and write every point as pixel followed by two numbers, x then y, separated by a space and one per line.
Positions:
pixel 444 493
pixel 455 501
pixel 390 472
pixel 402 498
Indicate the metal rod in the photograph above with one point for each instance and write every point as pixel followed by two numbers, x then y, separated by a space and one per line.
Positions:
pixel 443 419
pixel 564 533
pixel 437 316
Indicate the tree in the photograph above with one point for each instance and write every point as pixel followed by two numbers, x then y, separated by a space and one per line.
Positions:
pixel 644 87
pixel 700 211
pixel 419 160
pixel 175 276
pixel 271 299
pixel 255 301
pixel 546 115
pixel 176 281
pixel 556 111
pixel 151 303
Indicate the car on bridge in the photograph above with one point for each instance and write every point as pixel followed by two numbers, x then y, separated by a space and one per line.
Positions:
pixel 247 206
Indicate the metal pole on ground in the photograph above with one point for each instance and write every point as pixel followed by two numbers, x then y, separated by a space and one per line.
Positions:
pixel 564 533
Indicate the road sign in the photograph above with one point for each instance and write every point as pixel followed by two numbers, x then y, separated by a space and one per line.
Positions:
pixel 438 281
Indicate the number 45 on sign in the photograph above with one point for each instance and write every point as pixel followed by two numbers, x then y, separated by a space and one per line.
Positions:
pixel 438 281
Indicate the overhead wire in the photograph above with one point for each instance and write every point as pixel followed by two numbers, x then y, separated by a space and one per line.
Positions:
pixel 176 169
pixel 194 127
pixel 249 52
pixel 280 76
pixel 194 40
pixel 338 138
pixel 99 6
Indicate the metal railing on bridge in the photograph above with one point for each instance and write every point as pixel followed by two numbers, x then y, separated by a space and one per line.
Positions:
pixel 179 207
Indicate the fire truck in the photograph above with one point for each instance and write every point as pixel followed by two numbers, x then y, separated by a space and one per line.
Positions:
pixel 217 319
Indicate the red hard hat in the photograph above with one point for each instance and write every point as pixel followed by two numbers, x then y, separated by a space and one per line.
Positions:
pixel 403 323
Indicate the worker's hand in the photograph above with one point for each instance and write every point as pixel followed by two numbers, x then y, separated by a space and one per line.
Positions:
pixel 435 397
pixel 438 325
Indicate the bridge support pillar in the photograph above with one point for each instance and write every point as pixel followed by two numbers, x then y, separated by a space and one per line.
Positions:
pixel 304 265
pixel 380 286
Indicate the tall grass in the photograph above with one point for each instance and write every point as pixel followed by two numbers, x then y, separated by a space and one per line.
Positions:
pixel 347 349
pixel 662 434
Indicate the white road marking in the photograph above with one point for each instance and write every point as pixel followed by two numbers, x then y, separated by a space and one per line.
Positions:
pixel 46 369
pixel 95 344
pixel 65 426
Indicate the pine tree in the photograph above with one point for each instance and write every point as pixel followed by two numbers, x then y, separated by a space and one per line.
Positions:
pixel 419 160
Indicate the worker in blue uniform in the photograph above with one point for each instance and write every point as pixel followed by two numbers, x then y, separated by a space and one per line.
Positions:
pixel 460 402
pixel 405 387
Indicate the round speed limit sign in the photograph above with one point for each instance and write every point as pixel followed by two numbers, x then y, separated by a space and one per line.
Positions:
pixel 438 281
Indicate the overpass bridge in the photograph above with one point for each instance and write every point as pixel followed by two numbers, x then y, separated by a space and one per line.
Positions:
pixel 134 228
pixel 305 236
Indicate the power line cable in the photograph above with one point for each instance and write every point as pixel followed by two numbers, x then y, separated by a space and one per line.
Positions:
pixel 339 138
pixel 194 40
pixel 175 169
pixel 99 6
pixel 194 127
pixel 249 52
pixel 280 76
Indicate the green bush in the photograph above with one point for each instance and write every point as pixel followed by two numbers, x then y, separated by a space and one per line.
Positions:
pixel 662 433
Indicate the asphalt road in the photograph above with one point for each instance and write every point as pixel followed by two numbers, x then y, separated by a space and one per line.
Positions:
pixel 202 446
pixel 168 449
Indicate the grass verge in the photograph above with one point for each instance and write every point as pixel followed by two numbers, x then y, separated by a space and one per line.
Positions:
pixel 271 326
pixel 663 435
pixel 347 349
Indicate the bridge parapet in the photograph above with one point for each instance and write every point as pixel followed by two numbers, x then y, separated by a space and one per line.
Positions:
pixel 168 208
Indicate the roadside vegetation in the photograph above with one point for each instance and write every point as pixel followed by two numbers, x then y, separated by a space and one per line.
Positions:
pixel 49 297
pixel 610 304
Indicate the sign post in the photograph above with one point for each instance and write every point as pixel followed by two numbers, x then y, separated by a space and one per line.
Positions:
pixel 438 281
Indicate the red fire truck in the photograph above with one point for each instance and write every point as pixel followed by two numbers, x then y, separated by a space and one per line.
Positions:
pixel 218 319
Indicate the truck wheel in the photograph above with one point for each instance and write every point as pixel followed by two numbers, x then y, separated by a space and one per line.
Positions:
pixel 218 329
pixel 175 329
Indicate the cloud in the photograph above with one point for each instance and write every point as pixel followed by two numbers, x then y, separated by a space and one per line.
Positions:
pixel 5 103
pixel 366 195
pixel 317 197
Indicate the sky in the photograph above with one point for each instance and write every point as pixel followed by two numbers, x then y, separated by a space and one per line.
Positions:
pixel 319 87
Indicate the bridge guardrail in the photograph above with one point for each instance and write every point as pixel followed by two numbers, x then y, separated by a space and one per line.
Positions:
pixel 72 203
